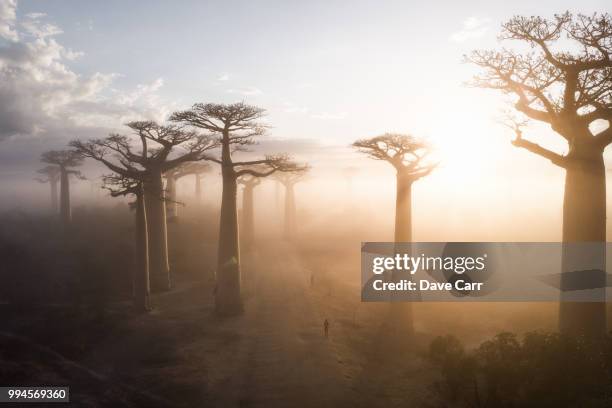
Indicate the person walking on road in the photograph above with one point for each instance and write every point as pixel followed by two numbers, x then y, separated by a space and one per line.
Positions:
pixel 326 328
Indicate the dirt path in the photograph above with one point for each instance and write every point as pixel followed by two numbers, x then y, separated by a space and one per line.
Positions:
pixel 289 360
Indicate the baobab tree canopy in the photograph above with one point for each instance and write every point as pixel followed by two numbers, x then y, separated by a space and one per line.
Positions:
pixel 63 158
pixel 157 154
pixel 564 81
pixel 240 121
pixel 405 152
pixel 49 172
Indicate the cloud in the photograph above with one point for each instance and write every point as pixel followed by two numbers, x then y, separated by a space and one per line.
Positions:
pixel 223 77
pixel 329 116
pixel 8 17
pixel 248 91
pixel 36 29
pixel 473 27
pixel 42 96
pixel 35 16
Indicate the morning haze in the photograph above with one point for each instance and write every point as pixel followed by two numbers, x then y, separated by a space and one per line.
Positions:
pixel 186 187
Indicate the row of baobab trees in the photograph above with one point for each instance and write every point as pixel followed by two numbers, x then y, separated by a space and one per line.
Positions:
pixel 569 89
pixel 139 163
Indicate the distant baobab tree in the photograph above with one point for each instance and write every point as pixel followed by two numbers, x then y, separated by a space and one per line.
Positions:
pixel 288 181
pixel 157 143
pixel 173 176
pixel 407 154
pixel 237 125
pixel 66 161
pixel 51 175
pixel 566 83
pixel 121 185
pixel 247 227
pixel 198 172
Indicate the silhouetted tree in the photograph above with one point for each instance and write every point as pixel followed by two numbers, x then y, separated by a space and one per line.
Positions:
pixel 51 175
pixel 205 168
pixel 173 176
pixel 121 185
pixel 66 160
pixel 289 180
pixel 154 159
pixel 237 126
pixel 407 154
pixel 247 230
pixel 566 82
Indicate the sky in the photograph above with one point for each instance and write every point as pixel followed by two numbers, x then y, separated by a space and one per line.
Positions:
pixel 328 72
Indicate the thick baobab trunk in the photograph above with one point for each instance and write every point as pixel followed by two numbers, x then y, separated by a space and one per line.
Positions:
pixel 159 267
pixel 53 184
pixel 401 310
pixel 403 209
pixel 290 212
pixel 584 220
pixel 228 300
pixel 198 188
pixel 65 212
pixel 247 230
pixel 171 203
pixel 141 277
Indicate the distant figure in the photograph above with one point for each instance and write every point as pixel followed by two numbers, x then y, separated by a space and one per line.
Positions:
pixel 312 278
pixel 326 328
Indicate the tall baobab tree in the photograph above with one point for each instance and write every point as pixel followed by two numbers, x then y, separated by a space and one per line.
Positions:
pixel 198 172
pixel 66 160
pixel 51 175
pixel 565 82
pixel 121 185
pixel 237 126
pixel 157 143
pixel 173 176
pixel 288 181
pixel 247 230
pixel 407 154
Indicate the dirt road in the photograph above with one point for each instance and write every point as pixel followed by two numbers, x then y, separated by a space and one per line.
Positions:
pixel 290 362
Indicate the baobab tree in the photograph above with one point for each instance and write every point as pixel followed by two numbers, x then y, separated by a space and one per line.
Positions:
pixel 408 155
pixel 237 126
pixel 173 176
pixel 121 185
pixel 247 230
pixel 157 143
pixel 288 181
pixel 565 82
pixel 66 161
pixel 51 175
pixel 198 172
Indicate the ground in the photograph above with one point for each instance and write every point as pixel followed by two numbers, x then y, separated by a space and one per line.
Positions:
pixel 274 355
